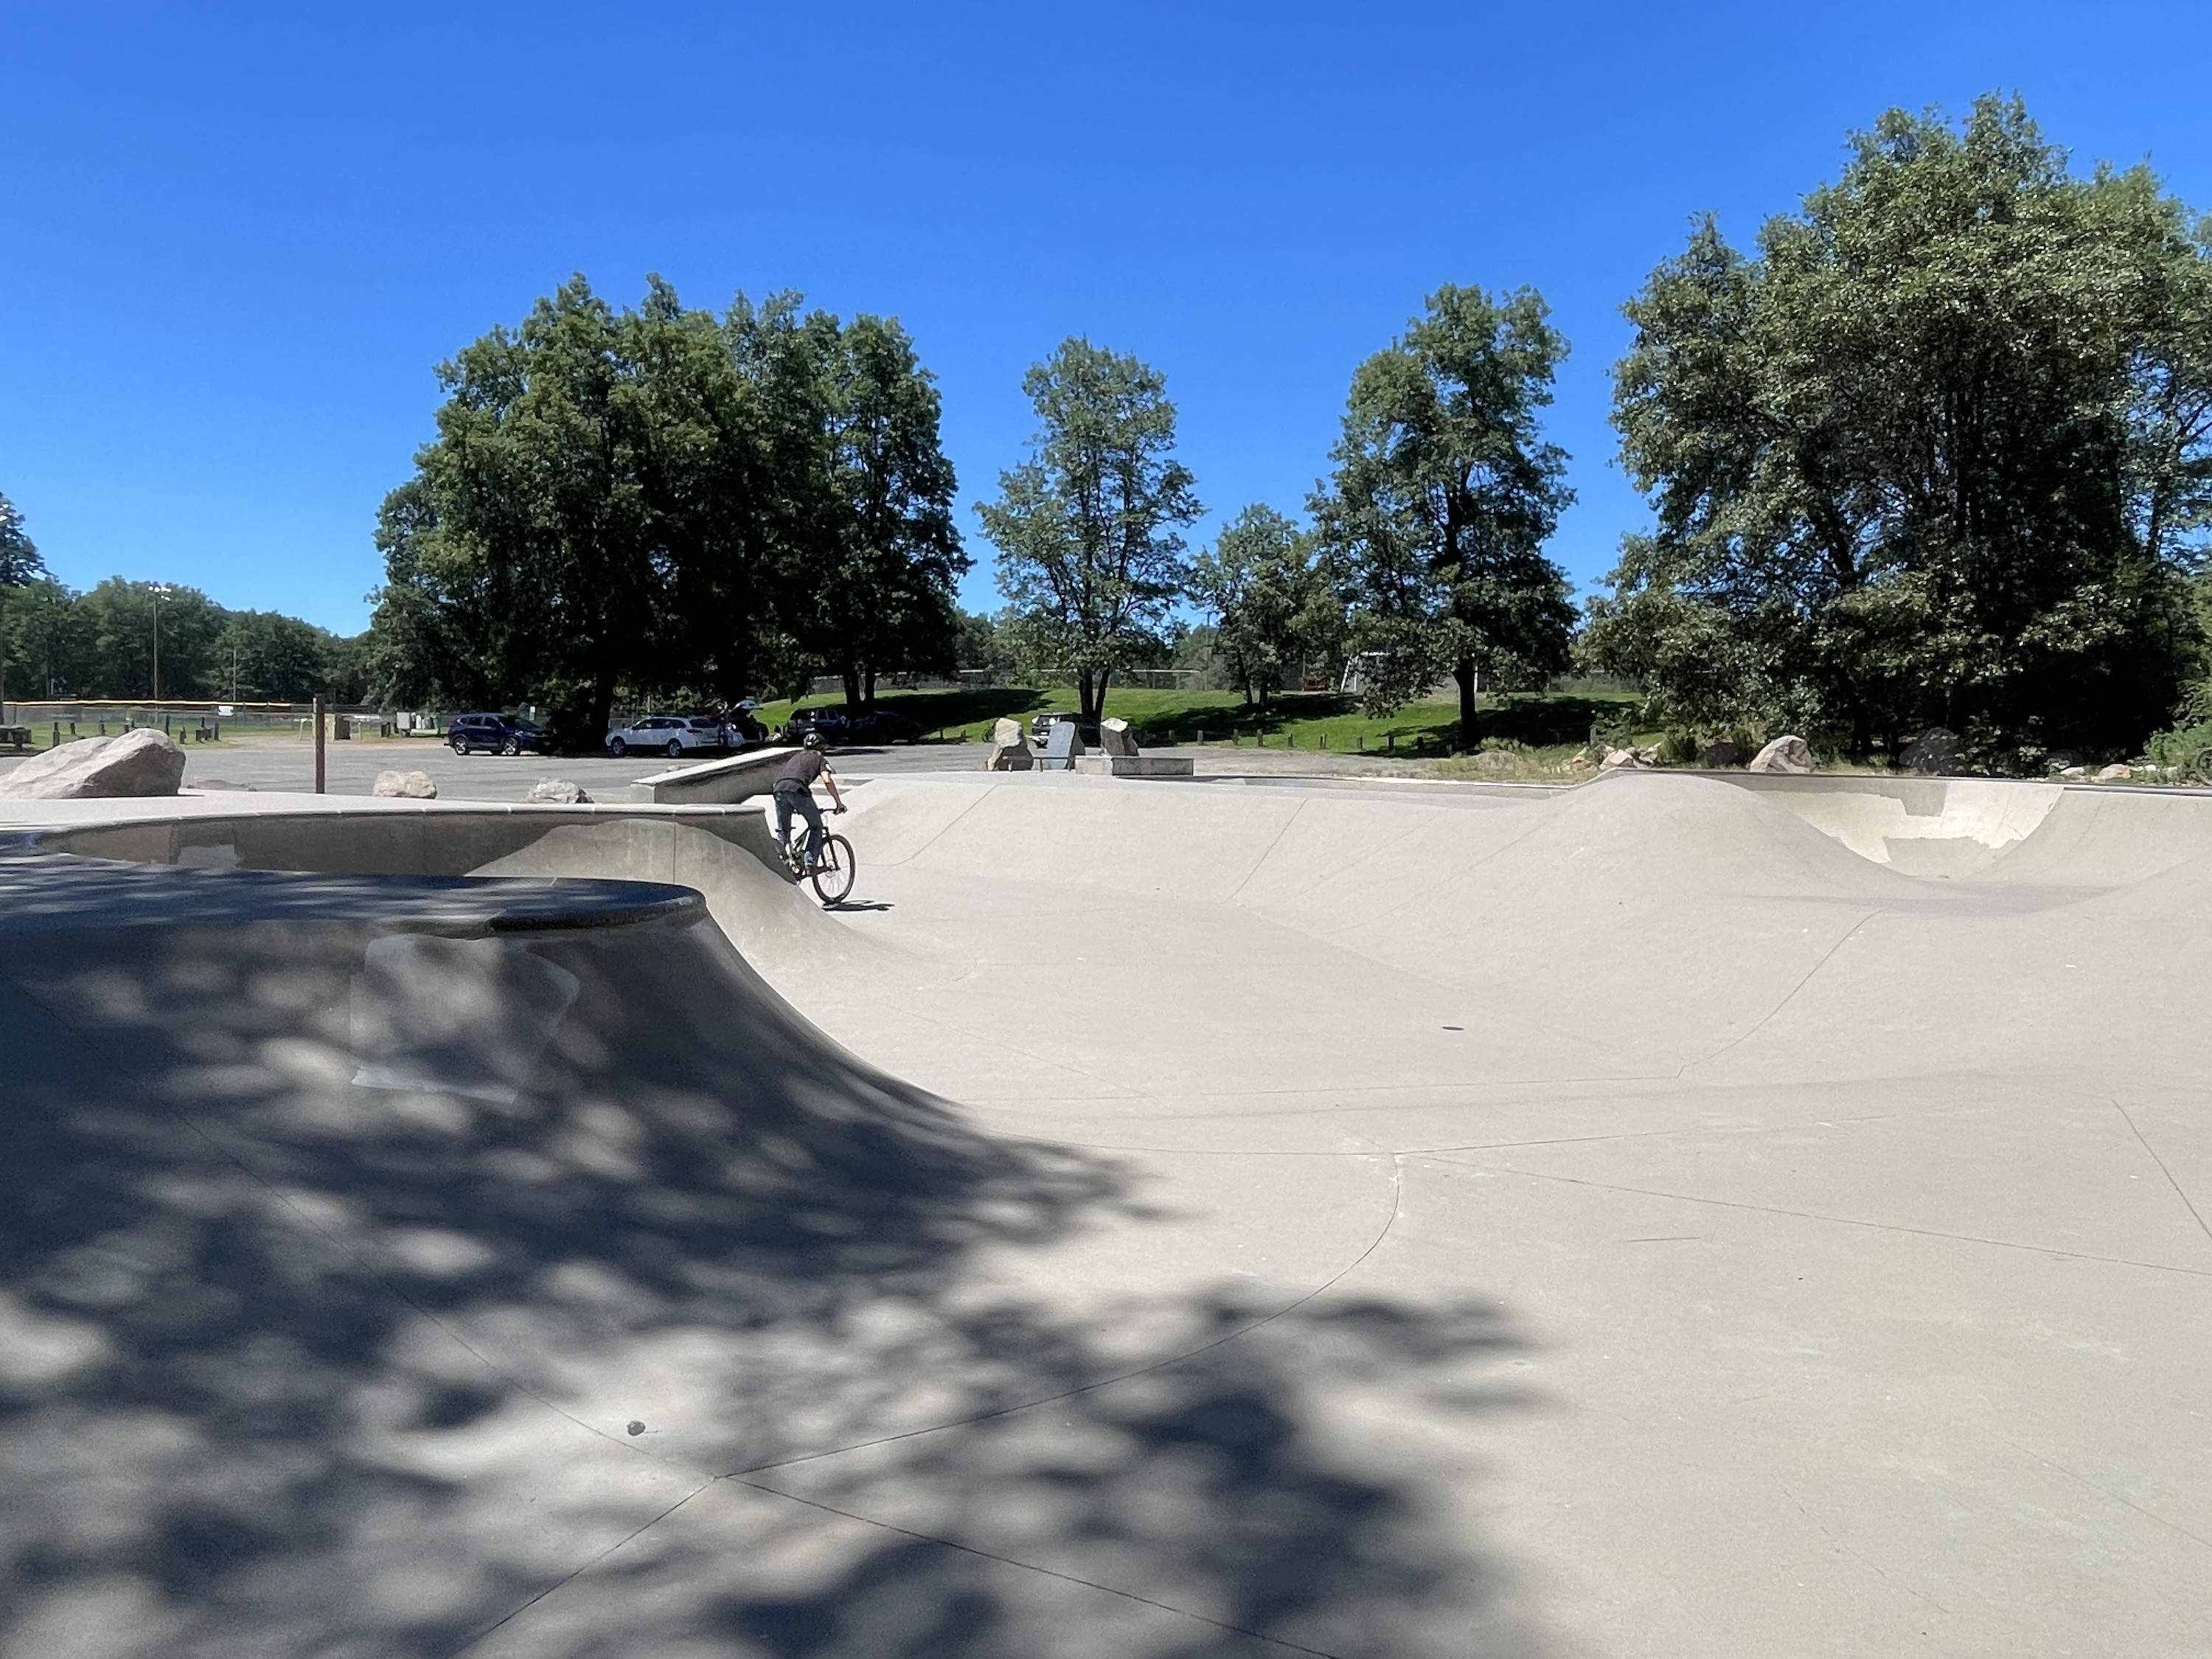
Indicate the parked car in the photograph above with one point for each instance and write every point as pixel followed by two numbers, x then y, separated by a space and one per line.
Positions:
pixel 1041 727
pixel 672 735
pixel 839 729
pixel 884 726
pixel 497 734
pixel 831 723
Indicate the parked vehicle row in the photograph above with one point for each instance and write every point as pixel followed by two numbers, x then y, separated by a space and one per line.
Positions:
pixel 840 730
pixel 679 735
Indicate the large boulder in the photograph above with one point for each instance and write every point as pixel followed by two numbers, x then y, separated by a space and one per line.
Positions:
pixel 2119 772
pixel 1010 749
pixel 1113 737
pixel 1934 750
pixel 1784 754
pixel 1721 755
pixel 1617 760
pixel 394 785
pixel 141 763
pixel 561 790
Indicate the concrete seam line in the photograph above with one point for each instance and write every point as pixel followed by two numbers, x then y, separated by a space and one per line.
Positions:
pixel 1839 1220
pixel 1268 852
pixel 2103 1491
pixel 1397 1199
pixel 1684 1129
pixel 1025 1566
pixel 981 795
pixel 1766 1018
pixel 578 1571
pixel 2188 1203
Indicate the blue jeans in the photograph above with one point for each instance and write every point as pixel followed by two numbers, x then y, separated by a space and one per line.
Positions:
pixel 788 801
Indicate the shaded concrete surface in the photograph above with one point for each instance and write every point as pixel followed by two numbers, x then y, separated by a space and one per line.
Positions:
pixel 1656 1218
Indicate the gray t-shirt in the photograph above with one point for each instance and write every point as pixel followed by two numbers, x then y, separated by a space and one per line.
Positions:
pixel 797 775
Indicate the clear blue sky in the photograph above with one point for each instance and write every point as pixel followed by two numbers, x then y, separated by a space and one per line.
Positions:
pixel 234 240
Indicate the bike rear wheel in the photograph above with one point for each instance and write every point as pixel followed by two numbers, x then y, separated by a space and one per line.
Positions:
pixel 833 871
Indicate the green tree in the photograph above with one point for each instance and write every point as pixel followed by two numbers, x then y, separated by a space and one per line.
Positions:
pixel 46 646
pixel 573 476
pixel 118 618
pixel 868 557
pixel 1937 455
pixel 1266 583
pixel 19 565
pixel 980 646
pixel 1089 558
pixel 18 556
pixel 261 656
pixel 1443 497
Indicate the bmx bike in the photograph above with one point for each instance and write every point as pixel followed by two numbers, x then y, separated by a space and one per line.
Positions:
pixel 832 871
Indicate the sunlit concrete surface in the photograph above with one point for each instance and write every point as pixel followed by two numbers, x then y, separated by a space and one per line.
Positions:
pixel 1669 1216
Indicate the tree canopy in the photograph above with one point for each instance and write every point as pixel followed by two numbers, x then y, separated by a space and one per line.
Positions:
pixel 1090 557
pixel 18 555
pixel 1270 591
pixel 1443 493
pixel 661 501
pixel 1939 455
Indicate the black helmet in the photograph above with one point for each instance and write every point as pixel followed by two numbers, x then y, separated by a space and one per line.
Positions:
pixel 811 740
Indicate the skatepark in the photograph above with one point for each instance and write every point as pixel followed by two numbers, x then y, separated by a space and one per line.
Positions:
pixel 1680 1214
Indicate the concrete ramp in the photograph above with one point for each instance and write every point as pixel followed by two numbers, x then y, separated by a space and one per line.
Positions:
pixel 1678 1215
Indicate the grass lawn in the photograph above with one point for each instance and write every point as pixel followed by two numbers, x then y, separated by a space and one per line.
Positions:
pixel 1300 720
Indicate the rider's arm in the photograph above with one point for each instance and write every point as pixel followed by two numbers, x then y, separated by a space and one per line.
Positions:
pixel 829 782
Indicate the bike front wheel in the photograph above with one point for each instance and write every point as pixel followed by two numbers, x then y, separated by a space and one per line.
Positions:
pixel 833 871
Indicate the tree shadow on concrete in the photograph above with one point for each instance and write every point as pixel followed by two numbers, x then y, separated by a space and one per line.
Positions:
pixel 700 1340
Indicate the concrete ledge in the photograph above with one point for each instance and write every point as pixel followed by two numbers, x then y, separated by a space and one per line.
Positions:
pixel 713 783
pixel 1135 766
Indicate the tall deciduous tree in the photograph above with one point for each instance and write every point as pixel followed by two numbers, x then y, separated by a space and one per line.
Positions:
pixel 118 617
pixel 1270 591
pixel 1936 455
pixel 1443 493
pixel 867 554
pixel 1090 557
pixel 578 464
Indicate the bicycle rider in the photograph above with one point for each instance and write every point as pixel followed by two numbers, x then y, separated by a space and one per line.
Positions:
pixel 794 792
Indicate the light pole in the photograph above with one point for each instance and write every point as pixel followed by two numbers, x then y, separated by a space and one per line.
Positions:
pixel 160 591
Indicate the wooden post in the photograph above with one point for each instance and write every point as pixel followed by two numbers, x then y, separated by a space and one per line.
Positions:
pixel 319 745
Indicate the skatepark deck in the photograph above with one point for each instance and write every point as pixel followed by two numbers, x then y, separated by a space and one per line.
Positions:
pixel 1680 1215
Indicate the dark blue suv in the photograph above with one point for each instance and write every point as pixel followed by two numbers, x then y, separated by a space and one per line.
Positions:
pixel 495 734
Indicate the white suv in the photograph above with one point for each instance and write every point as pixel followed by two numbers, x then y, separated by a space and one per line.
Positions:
pixel 670 734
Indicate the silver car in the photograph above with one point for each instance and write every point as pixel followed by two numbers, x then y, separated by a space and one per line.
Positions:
pixel 672 735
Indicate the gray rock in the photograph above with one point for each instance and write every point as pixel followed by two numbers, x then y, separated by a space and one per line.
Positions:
pixel 1495 760
pixel 2073 771
pixel 2115 773
pixel 1113 737
pixel 135 764
pixel 1934 750
pixel 1721 755
pixel 1618 759
pixel 1010 749
pixel 561 790
pixel 1785 754
pixel 395 785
